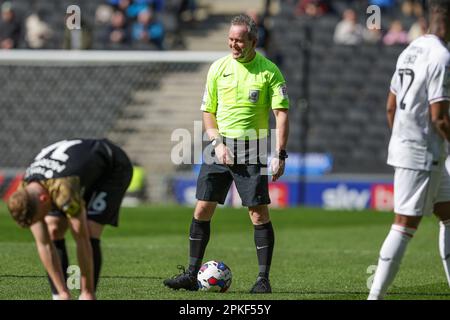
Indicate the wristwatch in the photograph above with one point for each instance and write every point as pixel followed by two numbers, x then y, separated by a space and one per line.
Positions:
pixel 216 141
pixel 282 155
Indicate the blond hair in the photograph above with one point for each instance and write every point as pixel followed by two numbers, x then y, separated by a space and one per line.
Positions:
pixel 22 207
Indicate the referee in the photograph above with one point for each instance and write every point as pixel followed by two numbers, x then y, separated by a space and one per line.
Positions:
pixel 241 90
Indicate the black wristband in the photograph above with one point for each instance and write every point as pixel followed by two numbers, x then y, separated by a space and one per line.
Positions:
pixel 282 155
pixel 216 141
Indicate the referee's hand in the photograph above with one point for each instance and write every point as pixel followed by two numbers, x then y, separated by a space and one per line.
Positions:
pixel 277 168
pixel 224 155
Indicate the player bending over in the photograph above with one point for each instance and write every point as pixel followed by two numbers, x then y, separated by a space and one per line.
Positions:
pixel 78 184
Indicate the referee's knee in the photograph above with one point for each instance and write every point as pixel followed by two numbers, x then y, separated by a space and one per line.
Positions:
pixel 204 210
pixel 259 214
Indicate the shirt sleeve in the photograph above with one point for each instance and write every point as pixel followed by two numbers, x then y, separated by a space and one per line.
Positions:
pixel 209 101
pixel 439 82
pixel 395 84
pixel 278 91
pixel 66 195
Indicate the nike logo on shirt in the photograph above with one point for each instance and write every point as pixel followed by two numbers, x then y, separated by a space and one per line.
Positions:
pixel 226 75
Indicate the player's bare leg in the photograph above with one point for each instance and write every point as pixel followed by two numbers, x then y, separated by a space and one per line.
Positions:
pixel 264 242
pixel 198 240
pixel 95 232
pixel 204 210
pixel 259 214
pixel 391 254
pixel 442 211
pixel 57 227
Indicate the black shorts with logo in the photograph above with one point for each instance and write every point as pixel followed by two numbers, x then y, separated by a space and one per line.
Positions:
pixel 214 182
pixel 249 173
pixel 104 197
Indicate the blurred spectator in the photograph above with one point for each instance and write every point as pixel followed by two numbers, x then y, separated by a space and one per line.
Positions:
pixel 78 39
pixel 348 31
pixel 419 9
pixel 148 29
pixel 412 8
pixel 135 8
pixel 407 8
pixel 137 191
pixel 312 8
pixel 395 34
pixel 121 5
pixel 155 5
pixel 37 31
pixel 263 32
pixel 103 14
pixel 383 3
pixel 117 31
pixel 372 36
pixel 418 29
pixel 10 28
pixel 186 10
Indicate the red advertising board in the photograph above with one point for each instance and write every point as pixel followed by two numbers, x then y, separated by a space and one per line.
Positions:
pixel 382 197
pixel 279 194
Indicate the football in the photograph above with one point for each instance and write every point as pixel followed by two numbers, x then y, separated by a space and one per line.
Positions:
pixel 214 276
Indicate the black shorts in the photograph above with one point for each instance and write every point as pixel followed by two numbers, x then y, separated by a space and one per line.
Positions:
pixel 214 182
pixel 104 198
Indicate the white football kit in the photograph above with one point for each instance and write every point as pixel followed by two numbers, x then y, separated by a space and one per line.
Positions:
pixel 416 150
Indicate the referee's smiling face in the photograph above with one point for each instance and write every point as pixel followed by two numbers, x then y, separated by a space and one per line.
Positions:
pixel 242 47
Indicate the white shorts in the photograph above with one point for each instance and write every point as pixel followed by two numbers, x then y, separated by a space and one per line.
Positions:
pixel 416 191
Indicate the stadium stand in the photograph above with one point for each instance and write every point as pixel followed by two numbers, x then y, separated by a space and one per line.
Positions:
pixel 96 16
pixel 138 105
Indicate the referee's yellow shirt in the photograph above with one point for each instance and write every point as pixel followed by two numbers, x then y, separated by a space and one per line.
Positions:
pixel 241 96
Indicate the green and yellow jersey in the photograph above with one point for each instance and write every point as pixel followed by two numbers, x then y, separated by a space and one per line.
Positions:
pixel 241 96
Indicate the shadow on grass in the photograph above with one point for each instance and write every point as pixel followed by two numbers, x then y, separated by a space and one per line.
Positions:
pixel 103 277
pixel 343 293
pixel 414 291
pixel 391 293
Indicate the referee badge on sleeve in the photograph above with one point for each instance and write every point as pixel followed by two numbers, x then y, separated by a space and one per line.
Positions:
pixel 253 95
pixel 283 91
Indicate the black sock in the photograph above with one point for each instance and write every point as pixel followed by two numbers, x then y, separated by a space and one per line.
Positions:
pixel 63 258
pixel 198 240
pixel 264 241
pixel 97 257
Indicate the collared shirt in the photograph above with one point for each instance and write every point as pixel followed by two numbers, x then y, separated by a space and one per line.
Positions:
pixel 241 96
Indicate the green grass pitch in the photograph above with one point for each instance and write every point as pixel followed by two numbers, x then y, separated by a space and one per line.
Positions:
pixel 318 255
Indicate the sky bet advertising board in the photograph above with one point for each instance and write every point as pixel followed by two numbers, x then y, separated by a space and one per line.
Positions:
pixel 337 195
pixel 311 188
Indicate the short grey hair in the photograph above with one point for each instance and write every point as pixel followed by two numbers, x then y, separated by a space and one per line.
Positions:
pixel 245 20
